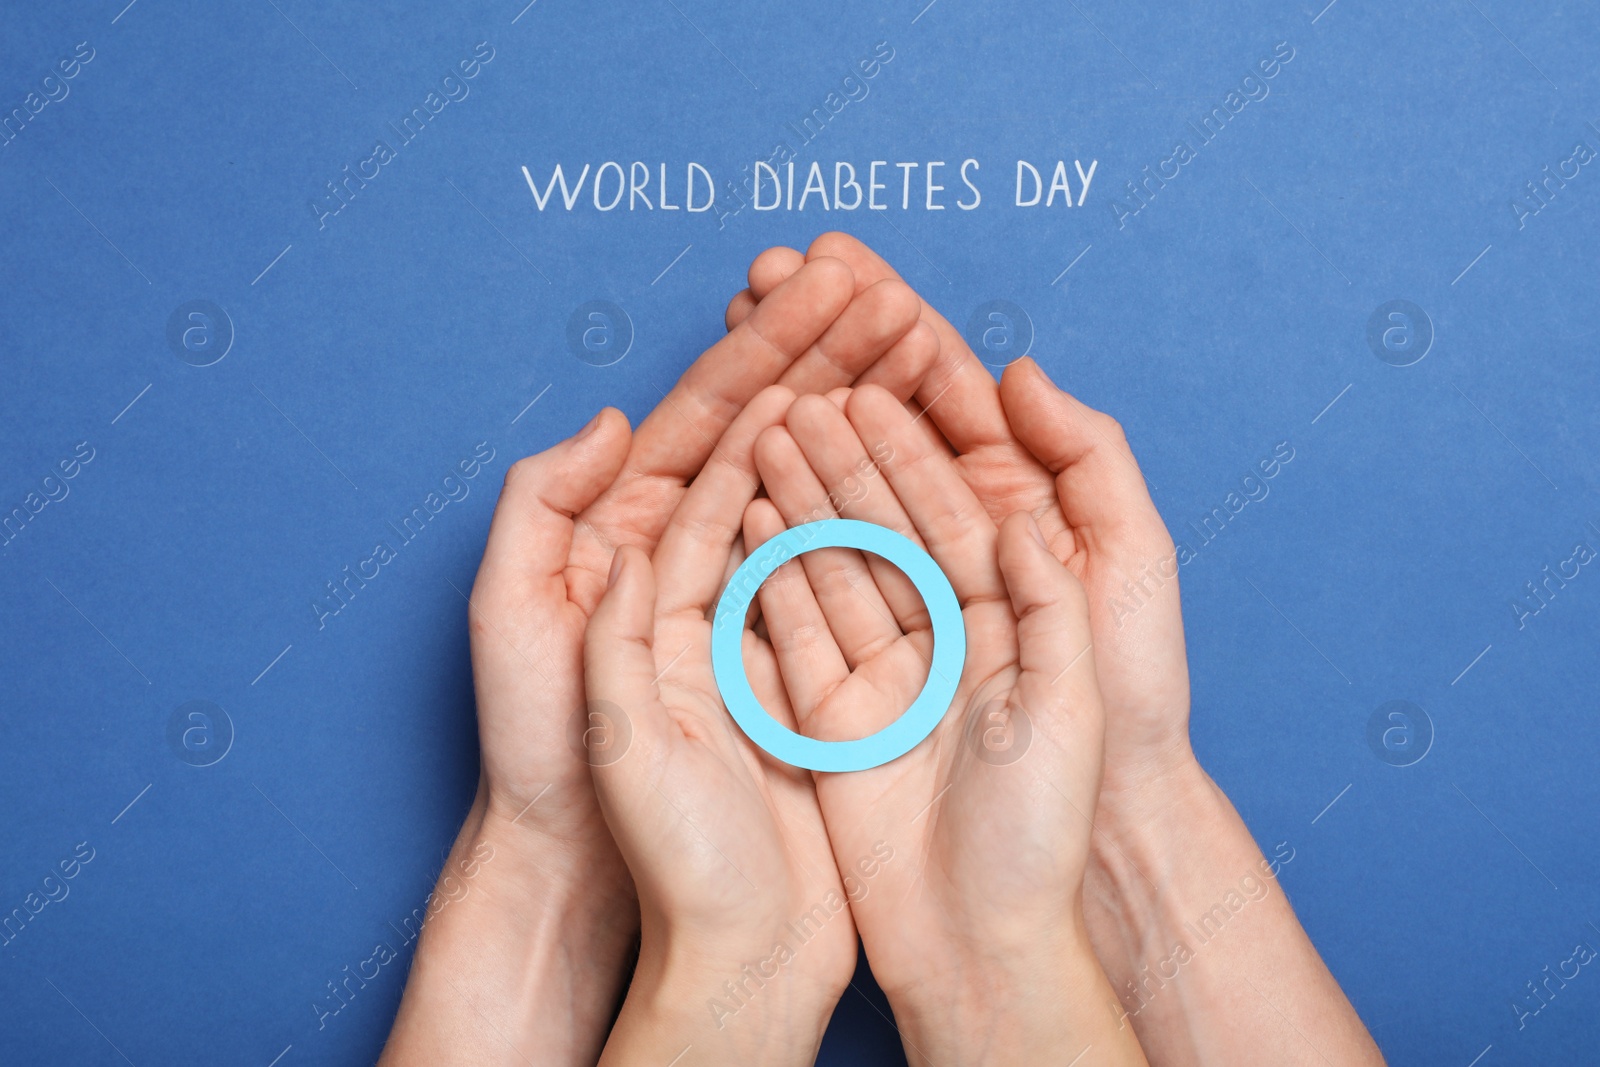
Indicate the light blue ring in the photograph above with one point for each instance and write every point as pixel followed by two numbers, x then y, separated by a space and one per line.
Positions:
pixel 900 736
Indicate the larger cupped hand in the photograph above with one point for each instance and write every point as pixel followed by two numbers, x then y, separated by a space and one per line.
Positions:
pixel 540 942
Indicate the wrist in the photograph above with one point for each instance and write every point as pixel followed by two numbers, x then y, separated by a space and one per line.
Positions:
pixel 1183 905
pixel 576 900
pixel 519 946
pixel 1164 855
pixel 1043 1006
pixel 756 1004
pixel 1147 823
pixel 546 862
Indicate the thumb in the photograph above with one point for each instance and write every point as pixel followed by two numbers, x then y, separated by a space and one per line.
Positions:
pixel 1058 689
pixel 1098 481
pixel 619 671
pixel 531 532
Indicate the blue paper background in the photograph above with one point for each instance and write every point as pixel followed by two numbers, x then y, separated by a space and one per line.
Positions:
pixel 1220 320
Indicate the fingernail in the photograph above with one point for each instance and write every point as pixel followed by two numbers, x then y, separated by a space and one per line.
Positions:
pixel 1038 534
pixel 589 429
pixel 616 569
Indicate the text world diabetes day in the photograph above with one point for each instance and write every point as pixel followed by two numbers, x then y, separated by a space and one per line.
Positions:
pixel 789 185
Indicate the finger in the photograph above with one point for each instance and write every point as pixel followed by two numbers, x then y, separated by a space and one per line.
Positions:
pixel 903 367
pixel 739 308
pixel 1097 479
pixel 840 397
pixel 958 393
pixel 694 549
pixel 900 370
pixel 531 531
pixel 808 656
pixel 957 530
pixel 767 272
pixel 619 671
pixel 761 667
pixel 1057 685
pixel 772 268
pixel 851 605
pixel 853 479
pixel 675 439
pixel 878 317
pixel 864 700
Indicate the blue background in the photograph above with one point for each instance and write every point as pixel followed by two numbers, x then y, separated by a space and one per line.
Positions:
pixel 373 354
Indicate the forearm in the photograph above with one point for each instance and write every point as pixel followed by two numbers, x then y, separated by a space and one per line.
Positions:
pixel 521 957
pixel 1201 944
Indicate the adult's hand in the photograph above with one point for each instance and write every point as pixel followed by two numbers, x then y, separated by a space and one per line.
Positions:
pixel 531 958
pixel 1168 845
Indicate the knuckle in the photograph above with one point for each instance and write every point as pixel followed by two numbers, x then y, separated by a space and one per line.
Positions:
pixel 520 471
pixel 1112 429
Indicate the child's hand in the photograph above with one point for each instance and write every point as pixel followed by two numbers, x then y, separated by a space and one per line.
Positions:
pixel 974 927
pixel 747 941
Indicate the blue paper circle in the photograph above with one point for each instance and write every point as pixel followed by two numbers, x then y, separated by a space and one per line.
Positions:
pixel 900 736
